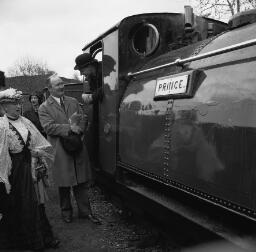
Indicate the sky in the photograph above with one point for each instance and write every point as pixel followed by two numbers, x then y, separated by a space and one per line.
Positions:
pixel 55 31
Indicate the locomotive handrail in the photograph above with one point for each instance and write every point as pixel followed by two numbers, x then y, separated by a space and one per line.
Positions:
pixel 179 61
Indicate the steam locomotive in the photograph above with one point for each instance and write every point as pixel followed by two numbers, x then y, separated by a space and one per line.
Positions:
pixel 179 108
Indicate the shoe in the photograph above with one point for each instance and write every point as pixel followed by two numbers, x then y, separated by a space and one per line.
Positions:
pixel 54 244
pixel 67 219
pixel 94 219
pixel 91 217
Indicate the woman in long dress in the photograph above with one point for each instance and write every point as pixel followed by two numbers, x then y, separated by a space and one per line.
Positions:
pixel 23 222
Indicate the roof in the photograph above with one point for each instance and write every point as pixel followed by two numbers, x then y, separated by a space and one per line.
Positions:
pixel 29 84
pixel 115 27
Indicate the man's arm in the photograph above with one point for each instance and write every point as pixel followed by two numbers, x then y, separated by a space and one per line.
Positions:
pixel 50 126
pixel 94 97
pixel 97 95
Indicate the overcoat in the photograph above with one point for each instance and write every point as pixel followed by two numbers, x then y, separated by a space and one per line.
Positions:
pixel 67 170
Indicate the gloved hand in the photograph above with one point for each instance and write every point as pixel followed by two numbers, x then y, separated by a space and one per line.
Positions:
pixel 75 118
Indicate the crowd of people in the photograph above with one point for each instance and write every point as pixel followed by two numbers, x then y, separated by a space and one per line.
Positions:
pixel 50 135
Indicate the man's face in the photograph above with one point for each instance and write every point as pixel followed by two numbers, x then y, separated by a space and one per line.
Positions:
pixel 57 88
pixel 88 71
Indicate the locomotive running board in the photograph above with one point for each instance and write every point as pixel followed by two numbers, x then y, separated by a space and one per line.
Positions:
pixel 192 214
pixel 196 217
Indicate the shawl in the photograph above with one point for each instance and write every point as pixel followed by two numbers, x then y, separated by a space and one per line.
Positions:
pixel 39 146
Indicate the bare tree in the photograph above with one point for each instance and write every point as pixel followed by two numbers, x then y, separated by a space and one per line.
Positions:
pixel 29 74
pixel 28 66
pixel 222 9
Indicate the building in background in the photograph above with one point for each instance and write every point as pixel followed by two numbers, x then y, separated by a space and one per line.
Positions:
pixel 2 80
pixel 31 84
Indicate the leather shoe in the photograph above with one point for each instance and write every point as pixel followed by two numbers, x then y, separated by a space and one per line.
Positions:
pixel 67 219
pixel 94 219
pixel 91 217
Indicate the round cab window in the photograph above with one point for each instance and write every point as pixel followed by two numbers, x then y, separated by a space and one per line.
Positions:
pixel 145 39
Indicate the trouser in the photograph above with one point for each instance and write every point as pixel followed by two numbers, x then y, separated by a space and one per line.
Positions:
pixel 92 139
pixel 81 195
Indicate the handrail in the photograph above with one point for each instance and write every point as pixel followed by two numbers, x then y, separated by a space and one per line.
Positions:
pixel 179 62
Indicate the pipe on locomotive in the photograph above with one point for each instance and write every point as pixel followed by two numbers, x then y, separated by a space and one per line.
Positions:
pixel 189 18
pixel 180 62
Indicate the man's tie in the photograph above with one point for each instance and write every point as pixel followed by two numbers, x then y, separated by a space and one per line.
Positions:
pixel 62 104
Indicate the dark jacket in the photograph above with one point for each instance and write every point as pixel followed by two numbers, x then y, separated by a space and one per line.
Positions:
pixel 32 115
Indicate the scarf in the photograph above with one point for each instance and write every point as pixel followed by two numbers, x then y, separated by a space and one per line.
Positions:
pixel 39 146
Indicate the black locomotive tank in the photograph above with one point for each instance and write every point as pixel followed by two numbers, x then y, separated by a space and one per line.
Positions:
pixel 201 138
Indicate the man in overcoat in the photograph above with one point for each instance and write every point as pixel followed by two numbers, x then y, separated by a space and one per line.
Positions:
pixel 69 171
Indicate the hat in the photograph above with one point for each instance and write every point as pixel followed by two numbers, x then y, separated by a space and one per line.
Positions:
pixel 83 60
pixel 10 95
pixel 72 143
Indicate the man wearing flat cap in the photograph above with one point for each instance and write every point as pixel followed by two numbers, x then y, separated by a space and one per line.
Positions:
pixel 71 167
pixel 90 68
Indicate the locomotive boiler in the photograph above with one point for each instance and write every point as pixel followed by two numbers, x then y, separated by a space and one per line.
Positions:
pixel 179 107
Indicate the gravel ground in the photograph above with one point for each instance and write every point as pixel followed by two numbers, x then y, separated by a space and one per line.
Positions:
pixel 117 233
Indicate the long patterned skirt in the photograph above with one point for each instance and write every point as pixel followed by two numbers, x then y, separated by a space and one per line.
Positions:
pixel 24 224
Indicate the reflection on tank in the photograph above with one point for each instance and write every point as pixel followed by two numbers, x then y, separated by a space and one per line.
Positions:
pixel 190 148
pixel 138 128
pixel 110 93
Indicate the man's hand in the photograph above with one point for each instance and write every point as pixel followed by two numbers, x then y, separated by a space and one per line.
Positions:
pixel 75 128
pixel 87 98
pixel 75 118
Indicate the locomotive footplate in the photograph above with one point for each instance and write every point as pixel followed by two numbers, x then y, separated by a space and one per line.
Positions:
pixel 192 215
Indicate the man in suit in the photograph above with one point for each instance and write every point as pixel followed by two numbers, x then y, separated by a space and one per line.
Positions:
pixel 69 171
